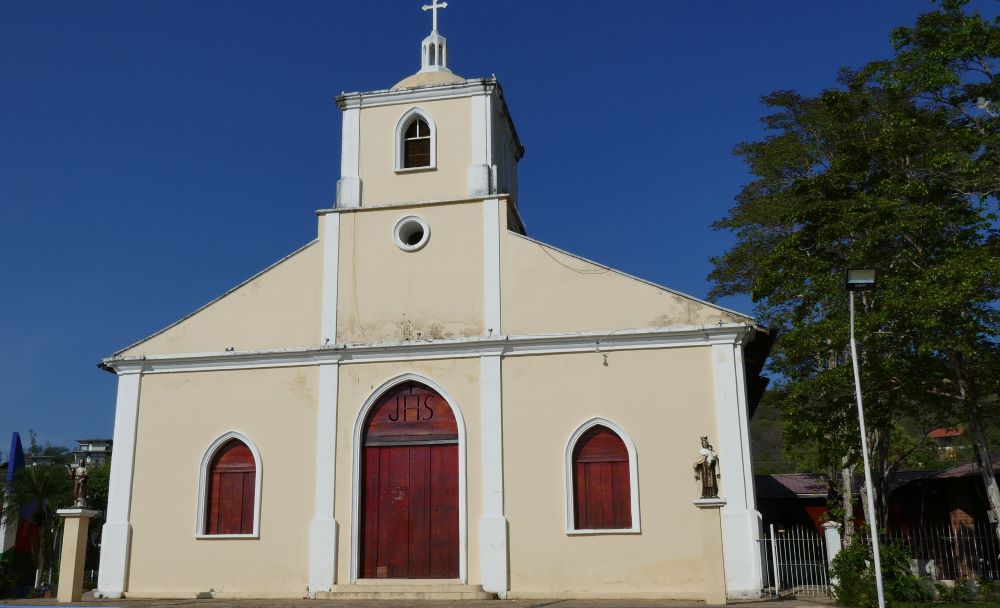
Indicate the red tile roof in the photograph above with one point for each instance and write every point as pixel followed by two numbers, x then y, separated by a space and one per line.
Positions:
pixel 946 431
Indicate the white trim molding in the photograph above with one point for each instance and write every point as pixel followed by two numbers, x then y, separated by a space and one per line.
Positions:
pixel 331 276
pixel 481 131
pixel 740 521
pixel 358 440
pixel 493 555
pixel 491 266
pixel 202 505
pixel 349 185
pixel 117 532
pixel 633 474
pixel 452 348
pixel 401 125
pixel 323 529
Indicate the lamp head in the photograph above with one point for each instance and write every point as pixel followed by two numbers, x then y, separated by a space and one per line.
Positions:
pixel 859 279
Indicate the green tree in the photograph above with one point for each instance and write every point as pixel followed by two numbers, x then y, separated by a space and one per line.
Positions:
pixel 41 491
pixel 949 63
pixel 875 172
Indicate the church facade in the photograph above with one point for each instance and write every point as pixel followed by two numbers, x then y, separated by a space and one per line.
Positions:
pixel 425 398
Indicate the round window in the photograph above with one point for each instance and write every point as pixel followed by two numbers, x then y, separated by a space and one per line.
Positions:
pixel 411 233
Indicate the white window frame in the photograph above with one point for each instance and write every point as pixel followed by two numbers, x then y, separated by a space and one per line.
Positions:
pixel 401 126
pixel 423 226
pixel 206 462
pixel 633 472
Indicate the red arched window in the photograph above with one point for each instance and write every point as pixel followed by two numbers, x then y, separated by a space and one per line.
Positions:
pixel 601 487
pixel 232 477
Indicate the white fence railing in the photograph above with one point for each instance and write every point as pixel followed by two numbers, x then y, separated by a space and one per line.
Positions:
pixel 951 552
pixel 795 562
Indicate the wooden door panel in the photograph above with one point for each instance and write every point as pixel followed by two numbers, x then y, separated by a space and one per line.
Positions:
pixel 421 493
pixel 369 531
pixel 444 512
pixel 410 513
pixel 409 490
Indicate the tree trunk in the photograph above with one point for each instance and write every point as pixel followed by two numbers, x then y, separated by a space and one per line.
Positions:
pixel 982 451
pixel 969 393
pixel 847 496
pixel 878 455
pixel 41 567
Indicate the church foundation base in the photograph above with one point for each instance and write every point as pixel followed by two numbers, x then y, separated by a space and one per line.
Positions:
pixel 405 590
pixel 606 595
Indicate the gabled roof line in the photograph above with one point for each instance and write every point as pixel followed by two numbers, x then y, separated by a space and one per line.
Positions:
pixel 213 301
pixel 635 278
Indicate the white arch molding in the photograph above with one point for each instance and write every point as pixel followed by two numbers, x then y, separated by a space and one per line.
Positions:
pixel 359 429
pixel 633 472
pixel 206 461
pixel 401 125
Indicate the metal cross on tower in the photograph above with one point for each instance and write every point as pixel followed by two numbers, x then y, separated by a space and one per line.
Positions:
pixel 434 6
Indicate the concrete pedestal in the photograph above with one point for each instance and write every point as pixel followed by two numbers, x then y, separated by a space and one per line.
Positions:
pixel 713 556
pixel 76 523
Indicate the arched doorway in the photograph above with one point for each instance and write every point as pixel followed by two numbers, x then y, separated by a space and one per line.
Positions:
pixel 409 512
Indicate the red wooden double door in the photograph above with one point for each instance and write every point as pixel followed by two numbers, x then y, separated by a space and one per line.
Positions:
pixel 409 487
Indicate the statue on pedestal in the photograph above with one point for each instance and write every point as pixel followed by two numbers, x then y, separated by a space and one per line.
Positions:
pixel 705 470
pixel 79 476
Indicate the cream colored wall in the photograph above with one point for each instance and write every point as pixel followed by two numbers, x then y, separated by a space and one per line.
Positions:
pixel 279 308
pixel 545 291
pixel 663 399
pixel 387 294
pixel 180 415
pixel 381 184
pixel 460 379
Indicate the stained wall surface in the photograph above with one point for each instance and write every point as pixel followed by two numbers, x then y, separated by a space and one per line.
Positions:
pixel 663 399
pixel 277 309
pixel 180 415
pixel 381 183
pixel 387 294
pixel 546 291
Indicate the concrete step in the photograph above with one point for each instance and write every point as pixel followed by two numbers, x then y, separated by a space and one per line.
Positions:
pixel 408 590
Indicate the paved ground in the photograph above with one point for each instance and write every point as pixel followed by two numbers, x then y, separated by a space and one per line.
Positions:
pixel 784 603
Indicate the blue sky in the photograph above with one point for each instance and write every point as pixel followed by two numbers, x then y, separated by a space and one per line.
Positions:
pixel 154 154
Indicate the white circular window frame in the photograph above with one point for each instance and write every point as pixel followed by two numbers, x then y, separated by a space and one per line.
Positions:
pixel 403 223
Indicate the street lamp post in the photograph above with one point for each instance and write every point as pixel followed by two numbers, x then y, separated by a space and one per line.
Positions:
pixel 860 279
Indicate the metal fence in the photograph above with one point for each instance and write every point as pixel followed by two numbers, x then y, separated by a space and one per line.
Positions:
pixel 951 552
pixel 795 562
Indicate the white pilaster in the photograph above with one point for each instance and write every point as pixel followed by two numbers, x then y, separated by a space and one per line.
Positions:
pixel 349 186
pixel 491 265
pixel 331 277
pixel 739 517
pixel 481 127
pixel 117 532
pixel 831 533
pixel 493 525
pixel 323 528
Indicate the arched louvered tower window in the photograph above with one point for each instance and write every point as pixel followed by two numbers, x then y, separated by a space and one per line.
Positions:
pixel 417 144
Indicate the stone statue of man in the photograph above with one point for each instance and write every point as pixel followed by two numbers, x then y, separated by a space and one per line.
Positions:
pixel 705 470
pixel 80 477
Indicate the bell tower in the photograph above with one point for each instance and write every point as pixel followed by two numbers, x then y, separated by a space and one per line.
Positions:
pixel 433 136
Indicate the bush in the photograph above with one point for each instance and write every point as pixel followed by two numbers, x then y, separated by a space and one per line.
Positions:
pixel 989 591
pixel 959 594
pixel 8 578
pixel 898 581
pixel 855 576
